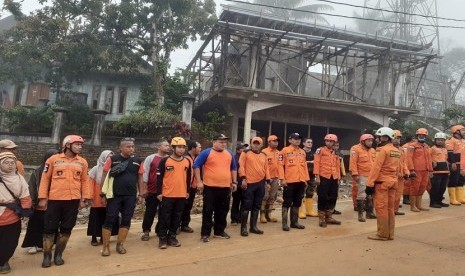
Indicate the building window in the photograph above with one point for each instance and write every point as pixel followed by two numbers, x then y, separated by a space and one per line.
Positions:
pixel 75 97
pixel 96 96
pixel 18 94
pixel 36 93
pixel 109 99
pixel 123 93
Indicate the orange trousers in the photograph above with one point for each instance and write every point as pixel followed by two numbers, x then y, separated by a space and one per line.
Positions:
pixel 419 183
pixel 354 192
pixel 407 184
pixel 384 201
pixel 399 192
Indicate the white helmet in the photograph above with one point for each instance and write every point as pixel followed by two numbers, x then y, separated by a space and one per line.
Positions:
pixel 440 135
pixel 385 131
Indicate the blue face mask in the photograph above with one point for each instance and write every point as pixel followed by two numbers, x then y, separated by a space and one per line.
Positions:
pixel 421 139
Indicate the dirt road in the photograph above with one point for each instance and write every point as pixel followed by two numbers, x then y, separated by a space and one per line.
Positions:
pixel 426 243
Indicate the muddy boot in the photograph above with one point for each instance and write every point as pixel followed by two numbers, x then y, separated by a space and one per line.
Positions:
pixel 48 240
pixel 302 214
pixel 321 217
pixel 295 218
pixel 268 210
pixel 413 204
pixel 406 199
pixel 253 223
pixel 330 219
pixel 122 234
pixel 285 212
pixel 361 209
pixel 369 207
pixel 59 248
pixel 106 234
pixel 263 213
pixel 419 198
pixel 244 217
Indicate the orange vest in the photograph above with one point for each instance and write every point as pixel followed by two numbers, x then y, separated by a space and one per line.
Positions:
pixel 439 157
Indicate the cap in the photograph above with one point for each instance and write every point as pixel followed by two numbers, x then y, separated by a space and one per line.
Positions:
pixel 220 136
pixel 272 138
pixel 295 135
pixel 241 145
pixel 7 144
pixel 257 139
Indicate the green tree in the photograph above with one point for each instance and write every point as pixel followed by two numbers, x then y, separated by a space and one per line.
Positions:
pixel 174 89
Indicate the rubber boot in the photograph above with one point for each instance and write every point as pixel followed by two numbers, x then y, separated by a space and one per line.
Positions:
pixel 459 194
pixel 285 212
pixel 330 219
pixel 302 214
pixel 48 240
pixel 59 248
pixel 369 207
pixel 106 234
pixel 268 210
pixel 253 223
pixel 406 199
pixel 122 234
pixel 263 213
pixel 244 218
pixel 322 219
pixel 361 209
pixel 413 204
pixel 309 208
pixel 295 218
pixel 419 203
pixel 452 197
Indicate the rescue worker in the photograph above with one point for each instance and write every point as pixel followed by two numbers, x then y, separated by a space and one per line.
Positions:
pixel 343 173
pixel 150 180
pixel 408 182
pixel 421 167
pixel 62 187
pixel 382 182
pixel 237 195
pixel 361 161
pixel 174 183
pixel 7 145
pixel 271 189
pixel 454 149
pixel 218 180
pixel 128 188
pixel 327 174
pixel 310 190
pixel 438 156
pixel 193 150
pixel 293 174
pixel 254 173
pixel 403 172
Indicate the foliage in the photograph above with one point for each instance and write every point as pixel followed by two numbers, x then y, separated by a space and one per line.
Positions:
pixel 79 119
pixel 212 123
pixel 27 120
pixel 174 90
pixel 407 128
pixel 453 116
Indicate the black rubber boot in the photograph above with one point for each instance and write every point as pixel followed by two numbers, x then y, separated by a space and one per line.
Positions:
pixel 361 210
pixel 285 212
pixel 369 207
pixel 253 223
pixel 48 244
pixel 322 218
pixel 406 199
pixel 59 248
pixel 244 218
pixel 295 218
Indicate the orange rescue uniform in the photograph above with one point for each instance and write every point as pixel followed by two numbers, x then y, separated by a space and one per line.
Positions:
pixel 272 156
pixel 403 173
pixel 360 163
pixel 327 164
pixel 293 165
pixel 253 167
pixel 418 160
pixel 174 177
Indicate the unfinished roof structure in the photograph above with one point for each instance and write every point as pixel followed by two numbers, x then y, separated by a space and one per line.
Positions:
pixel 279 76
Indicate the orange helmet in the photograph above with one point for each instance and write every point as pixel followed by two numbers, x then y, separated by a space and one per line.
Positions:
pixel 397 133
pixel 456 128
pixel 422 131
pixel 331 137
pixel 70 139
pixel 366 137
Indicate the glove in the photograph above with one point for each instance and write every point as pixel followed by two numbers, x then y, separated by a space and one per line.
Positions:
pixel 413 174
pixel 370 190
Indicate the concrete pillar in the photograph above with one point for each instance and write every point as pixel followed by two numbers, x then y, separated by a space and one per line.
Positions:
pixel 99 121
pixel 248 121
pixel 58 121
pixel 234 131
pixel 187 108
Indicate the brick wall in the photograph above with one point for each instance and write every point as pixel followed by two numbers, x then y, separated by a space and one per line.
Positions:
pixel 31 154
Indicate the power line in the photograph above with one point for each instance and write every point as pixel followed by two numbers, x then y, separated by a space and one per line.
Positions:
pixel 397 12
pixel 346 16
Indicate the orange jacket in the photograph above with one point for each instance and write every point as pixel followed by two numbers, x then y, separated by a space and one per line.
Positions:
pixel 253 166
pixel 403 167
pixel 95 191
pixel 64 178
pixel 293 165
pixel 454 148
pixel 361 160
pixel 438 157
pixel 386 165
pixel 273 161
pixel 327 163
pixel 419 156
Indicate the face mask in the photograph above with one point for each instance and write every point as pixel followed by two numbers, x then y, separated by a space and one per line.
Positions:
pixel 421 140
